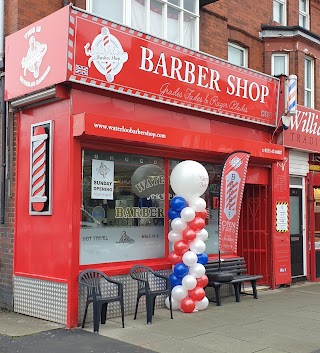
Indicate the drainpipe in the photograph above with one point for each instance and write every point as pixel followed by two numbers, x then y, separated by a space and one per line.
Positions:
pixel 3 117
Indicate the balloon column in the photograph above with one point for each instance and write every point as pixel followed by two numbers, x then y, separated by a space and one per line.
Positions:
pixel 189 180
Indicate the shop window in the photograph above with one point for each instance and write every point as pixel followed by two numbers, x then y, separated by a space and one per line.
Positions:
pixel 308 82
pixel 122 208
pixel 279 11
pixel 304 14
pixel 212 199
pixel 174 20
pixel 237 55
pixel 280 64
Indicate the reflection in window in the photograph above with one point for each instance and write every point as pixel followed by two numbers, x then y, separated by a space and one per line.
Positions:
pixel 123 198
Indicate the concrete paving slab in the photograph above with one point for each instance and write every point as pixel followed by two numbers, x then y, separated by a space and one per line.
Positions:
pixel 173 345
pixel 225 344
pixel 13 324
pixel 290 345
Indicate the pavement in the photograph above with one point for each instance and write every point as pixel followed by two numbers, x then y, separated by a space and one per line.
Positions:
pixel 285 320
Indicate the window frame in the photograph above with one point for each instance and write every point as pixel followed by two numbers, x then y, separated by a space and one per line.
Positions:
pixel 311 88
pixel 242 49
pixel 127 18
pixel 286 63
pixel 305 14
pixel 284 12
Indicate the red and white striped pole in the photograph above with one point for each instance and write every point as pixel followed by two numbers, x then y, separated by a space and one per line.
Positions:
pixel 38 177
pixel 106 43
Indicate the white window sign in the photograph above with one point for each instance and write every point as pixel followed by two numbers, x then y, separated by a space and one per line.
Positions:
pixel 102 182
pixel 282 217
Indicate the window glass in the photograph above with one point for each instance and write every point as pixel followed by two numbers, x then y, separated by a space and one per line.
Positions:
pixel 138 14
pixel 122 208
pixel 279 11
pixel 295 181
pixel 236 55
pixel 174 20
pixel 156 11
pixel 308 82
pixel 212 200
pixel 174 2
pixel 188 30
pixel 173 28
pixel 110 9
pixel 304 14
pixel 280 64
pixel 189 5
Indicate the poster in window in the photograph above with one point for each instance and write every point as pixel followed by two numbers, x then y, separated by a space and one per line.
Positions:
pixel 102 182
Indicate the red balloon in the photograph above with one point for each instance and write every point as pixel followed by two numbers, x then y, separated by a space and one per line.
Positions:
pixel 187 305
pixel 189 234
pixel 180 247
pixel 196 224
pixel 202 281
pixel 174 258
pixel 197 294
pixel 203 214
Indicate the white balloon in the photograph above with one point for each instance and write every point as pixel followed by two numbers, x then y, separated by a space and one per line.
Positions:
pixel 189 258
pixel 189 282
pixel 197 270
pixel 174 236
pixel 187 214
pixel 178 225
pixel 198 204
pixel 202 235
pixel 175 304
pixel 189 179
pixel 197 246
pixel 202 304
pixel 178 293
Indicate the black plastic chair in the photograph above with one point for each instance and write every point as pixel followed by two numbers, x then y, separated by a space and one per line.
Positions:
pixel 92 279
pixel 144 275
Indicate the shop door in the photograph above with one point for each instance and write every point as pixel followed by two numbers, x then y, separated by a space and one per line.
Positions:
pixel 296 232
pixel 254 232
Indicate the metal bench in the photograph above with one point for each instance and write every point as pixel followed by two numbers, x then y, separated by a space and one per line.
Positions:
pixel 230 271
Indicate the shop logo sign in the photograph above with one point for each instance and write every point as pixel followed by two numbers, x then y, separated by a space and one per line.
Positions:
pixel 40 168
pixel 106 53
pixel 33 59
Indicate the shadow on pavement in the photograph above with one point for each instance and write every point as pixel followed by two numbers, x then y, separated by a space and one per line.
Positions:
pixel 62 340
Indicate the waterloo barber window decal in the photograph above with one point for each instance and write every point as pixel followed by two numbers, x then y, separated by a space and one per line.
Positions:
pixel 33 72
pixel 106 53
pixel 41 168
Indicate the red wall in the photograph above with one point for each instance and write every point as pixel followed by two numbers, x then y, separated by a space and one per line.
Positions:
pixel 43 243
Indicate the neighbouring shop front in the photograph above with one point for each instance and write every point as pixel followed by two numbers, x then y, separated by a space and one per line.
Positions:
pixel 104 114
pixel 302 140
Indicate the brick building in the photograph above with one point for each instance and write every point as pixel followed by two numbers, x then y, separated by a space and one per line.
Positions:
pixel 278 37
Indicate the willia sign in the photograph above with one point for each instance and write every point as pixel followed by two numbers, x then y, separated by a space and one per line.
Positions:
pixel 304 130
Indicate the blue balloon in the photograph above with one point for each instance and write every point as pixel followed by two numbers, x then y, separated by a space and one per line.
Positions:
pixel 181 270
pixel 174 280
pixel 173 214
pixel 203 258
pixel 178 203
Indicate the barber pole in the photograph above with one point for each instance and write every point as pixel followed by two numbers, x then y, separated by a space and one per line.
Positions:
pixel 39 187
pixel 292 95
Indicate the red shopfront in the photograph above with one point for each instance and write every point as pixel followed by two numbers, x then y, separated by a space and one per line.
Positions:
pixel 302 138
pixel 105 113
